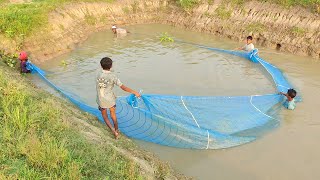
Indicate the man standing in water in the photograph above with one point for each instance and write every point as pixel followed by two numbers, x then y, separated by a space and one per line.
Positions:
pixel 248 46
pixel 118 31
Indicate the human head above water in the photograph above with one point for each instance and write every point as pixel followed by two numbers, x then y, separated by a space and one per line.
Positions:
pixel 292 93
pixel 249 39
pixel 106 63
pixel 114 28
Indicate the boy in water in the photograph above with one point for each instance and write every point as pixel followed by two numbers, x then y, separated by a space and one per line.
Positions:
pixel 117 30
pixel 106 99
pixel 290 102
pixel 248 46
pixel 23 57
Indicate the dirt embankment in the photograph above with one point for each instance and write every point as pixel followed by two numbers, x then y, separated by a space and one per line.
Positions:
pixel 294 30
pixel 74 23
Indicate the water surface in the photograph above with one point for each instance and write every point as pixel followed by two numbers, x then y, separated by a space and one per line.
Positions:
pixel 142 62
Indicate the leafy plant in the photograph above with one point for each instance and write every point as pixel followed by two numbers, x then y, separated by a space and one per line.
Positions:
pixel 165 37
pixel 90 19
pixel 256 27
pixel 297 31
pixel 9 59
pixel 187 4
pixel 223 13
pixel 64 63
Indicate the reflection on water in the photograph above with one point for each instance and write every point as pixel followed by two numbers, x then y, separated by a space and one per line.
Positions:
pixel 142 62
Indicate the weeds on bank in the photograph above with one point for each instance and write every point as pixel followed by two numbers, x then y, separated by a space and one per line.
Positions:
pixel 223 13
pixel 296 31
pixel 135 7
pixel 313 5
pixel 37 140
pixel 90 19
pixel 187 4
pixel 235 2
pixel 289 3
pixel 256 27
pixel 9 59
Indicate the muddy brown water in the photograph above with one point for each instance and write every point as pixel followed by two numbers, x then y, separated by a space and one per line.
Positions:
pixel 290 151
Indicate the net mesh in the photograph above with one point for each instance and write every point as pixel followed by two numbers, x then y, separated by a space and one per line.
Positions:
pixel 194 121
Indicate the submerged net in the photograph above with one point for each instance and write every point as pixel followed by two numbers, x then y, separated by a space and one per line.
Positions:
pixel 194 121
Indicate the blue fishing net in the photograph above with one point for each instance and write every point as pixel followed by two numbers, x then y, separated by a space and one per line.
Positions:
pixel 196 122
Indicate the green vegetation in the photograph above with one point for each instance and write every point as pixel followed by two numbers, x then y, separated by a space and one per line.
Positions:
pixel 90 19
pixel 289 3
pixel 135 7
pixel 223 13
pixel 165 37
pixel 256 27
pixel 236 2
pixel 210 1
pixel 296 31
pixel 187 4
pixel 9 59
pixel 44 137
pixel 36 143
pixel 314 5
pixel 17 19
pixel 63 63
pixel 25 19
pixel 126 10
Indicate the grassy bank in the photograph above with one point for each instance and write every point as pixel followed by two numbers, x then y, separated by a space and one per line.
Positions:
pixel 42 136
pixel 20 20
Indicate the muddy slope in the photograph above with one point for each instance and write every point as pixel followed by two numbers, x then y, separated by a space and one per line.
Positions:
pixel 293 30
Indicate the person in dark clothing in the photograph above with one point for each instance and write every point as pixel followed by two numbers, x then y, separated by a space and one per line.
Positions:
pixel 23 57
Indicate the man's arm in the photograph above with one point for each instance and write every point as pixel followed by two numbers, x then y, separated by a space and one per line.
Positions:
pixel 127 89
pixel 240 48
pixel 286 95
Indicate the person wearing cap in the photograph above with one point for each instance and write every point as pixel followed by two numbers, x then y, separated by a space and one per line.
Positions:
pixel 117 30
pixel 23 57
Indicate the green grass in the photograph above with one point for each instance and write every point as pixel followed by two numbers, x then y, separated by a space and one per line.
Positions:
pixel 288 3
pixel 126 10
pixel 314 5
pixel 20 19
pixel 90 19
pixel 39 141
pixel 223 13
pixel 24 19
pixel 135 7
pixel 9 59
pixel 27 18
pixel 187 4
pixel 296 31
pixel 256 27
pixel 236 2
